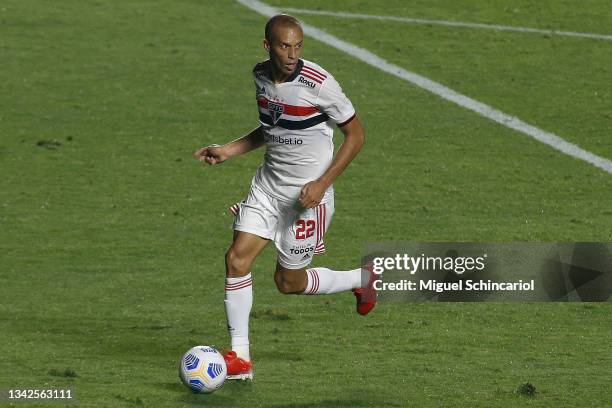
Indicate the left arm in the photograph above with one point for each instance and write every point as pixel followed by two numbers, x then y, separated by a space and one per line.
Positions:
pixel 354 138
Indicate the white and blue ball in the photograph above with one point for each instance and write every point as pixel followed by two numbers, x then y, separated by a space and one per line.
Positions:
pixel 203 369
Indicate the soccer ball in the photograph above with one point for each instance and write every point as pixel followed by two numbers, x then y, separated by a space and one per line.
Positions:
pixel 203 369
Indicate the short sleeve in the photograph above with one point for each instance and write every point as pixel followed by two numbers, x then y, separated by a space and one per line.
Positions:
pixel 334 103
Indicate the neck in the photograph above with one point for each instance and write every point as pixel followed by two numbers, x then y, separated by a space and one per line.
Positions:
pixel 278 76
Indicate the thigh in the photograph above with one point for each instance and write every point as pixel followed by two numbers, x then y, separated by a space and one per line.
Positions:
pixel 257 215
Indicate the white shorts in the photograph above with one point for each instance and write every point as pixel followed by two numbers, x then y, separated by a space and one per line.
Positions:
pixel 297 232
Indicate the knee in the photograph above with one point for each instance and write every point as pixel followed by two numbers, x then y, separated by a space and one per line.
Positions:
pixel 236 264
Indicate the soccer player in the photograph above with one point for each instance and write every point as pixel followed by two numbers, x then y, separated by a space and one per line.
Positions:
pixel 291 201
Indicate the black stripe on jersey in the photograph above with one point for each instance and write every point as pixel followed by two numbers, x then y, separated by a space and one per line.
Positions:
pixel 294 124
pixel 346 122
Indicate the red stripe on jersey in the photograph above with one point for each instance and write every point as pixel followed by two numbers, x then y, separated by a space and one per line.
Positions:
pixel 292 110
pixel 313 71
pixel 314 74
pixel 317 80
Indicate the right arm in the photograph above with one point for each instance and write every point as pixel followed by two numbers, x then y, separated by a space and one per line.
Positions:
pixel 215 154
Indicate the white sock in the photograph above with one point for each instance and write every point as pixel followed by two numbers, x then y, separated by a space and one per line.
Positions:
pixel 325 281
pixel 238 303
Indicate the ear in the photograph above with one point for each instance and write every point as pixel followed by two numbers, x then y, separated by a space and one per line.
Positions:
pixel 266 45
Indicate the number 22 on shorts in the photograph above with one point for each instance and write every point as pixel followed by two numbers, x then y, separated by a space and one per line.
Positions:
pixel 304 229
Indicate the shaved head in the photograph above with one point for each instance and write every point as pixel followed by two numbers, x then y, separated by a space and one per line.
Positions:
pixel 280 21
pixel 283 42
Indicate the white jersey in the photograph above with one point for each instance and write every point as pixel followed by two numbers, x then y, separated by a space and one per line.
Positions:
pixel 298 118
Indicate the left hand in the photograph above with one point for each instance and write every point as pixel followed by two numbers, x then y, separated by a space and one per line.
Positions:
pixel 312 194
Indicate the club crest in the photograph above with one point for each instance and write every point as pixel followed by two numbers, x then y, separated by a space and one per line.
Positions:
pixel 276 110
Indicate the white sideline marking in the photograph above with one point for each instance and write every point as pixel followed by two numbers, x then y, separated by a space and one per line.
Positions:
pixel 482 109
pixel 447 23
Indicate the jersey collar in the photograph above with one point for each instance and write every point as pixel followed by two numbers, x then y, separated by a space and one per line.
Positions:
pixel 290 78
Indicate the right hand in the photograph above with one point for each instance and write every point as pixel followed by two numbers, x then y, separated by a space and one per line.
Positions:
pixel 212 154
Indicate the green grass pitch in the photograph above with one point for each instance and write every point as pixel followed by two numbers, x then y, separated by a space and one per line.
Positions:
pixel 112 237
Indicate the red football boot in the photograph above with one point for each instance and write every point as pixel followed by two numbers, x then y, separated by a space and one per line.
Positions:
pixel 366 296
pixel 237 368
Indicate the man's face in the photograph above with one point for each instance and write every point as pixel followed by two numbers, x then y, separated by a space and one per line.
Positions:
pixel 285 49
